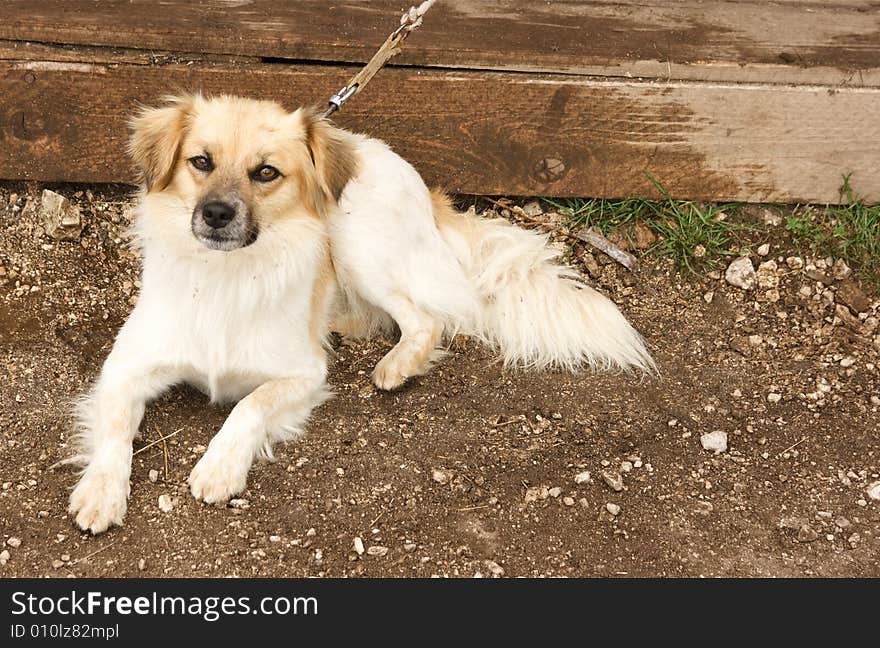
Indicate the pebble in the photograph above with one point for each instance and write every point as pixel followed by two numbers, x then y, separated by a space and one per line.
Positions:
pixel 568 501
pixel 842 522
pixel 841 270
pixel 239 503
pixel 714 441
pixel 614 509
pixel 582 477
pixel 4 557
pixel 494 568
pixel 165 503
pixel 806 533
pixel 61 218
pixel 873 492
pixel 142 564
pixel 440 476
pixel 358 546
pixel 626 466
pixel 154 476
pixel 764 249
pixel 773 397
pixel 613 480
pixel 377 550
pixel 536 493
pixel 795 263
pixel 555 491
pixel 14 542
pixel 57 564
pixel 741 273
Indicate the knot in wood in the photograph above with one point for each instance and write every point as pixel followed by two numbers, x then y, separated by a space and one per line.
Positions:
pixel 549 170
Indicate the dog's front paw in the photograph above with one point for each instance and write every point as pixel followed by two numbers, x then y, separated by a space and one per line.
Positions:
pixel 218 476
pixel 99 499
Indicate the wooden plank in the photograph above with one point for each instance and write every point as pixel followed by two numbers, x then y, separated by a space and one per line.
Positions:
pixel 836 43
pixel 485 132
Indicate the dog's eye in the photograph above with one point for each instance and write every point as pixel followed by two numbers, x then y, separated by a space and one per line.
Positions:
pixel 266 173
pixel 201 162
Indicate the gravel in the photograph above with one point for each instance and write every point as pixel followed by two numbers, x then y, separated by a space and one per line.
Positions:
pixel 714 441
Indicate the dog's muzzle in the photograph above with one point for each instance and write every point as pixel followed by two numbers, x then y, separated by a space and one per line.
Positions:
pixel 223 224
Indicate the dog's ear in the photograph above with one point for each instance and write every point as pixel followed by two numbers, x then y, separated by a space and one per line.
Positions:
pixel 156 134
pixel 331 150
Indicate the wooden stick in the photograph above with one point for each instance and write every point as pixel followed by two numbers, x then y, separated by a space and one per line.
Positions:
pixel 590 237
pixel 410 20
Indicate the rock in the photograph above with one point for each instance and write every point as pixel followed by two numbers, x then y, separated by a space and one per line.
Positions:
pixel 4 557
pixel 57 564
pixel 568 501
pixel 440 476
pixel 533 209
pixel 795 263
pixel 536 493
pixel 239 503
pixel 773 397
pixel 767 275
pixel 764 249
pixel 873 491
pixel 14 542
pixel 555 491
pixel 613 480
pixel 741 273
pixel 842 522
pixel 699 252
pixel 614 509
pixel 154 476
pixel 849 294
pixel 494 568
pixel 821 277
pixel 61 218
pixel 142 564
pixel 582 477
pixel 840 270
pixel 358 546
pixel 806 533
pixel 714 441
pixel 377 550
pixel 165 503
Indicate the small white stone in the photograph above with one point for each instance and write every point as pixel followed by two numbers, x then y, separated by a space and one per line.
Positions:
pixel 239 503
pixel 154 476
pixel 274 538
pixel 142 564
pixel 377 550
pixel 714 441
pixel 165 503
pixel 773 397
pixel 612 508
pixel 568 501
pixel 741 273
pixel 848 361
pixel 440 476
pixel 555 491
pixel 873 491
pixel 14 542
pixel 582 477
pixel 764 249
pixel 358 546
pixel 626 466
pixel 4 557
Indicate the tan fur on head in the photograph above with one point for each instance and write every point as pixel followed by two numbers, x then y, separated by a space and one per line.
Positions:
pixel 331 151
pixel 155 140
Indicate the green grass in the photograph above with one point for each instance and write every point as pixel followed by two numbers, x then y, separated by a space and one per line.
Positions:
pixel 695 235
pixel 850 231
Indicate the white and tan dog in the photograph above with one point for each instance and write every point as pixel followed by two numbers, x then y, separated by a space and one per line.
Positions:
pixel 262 231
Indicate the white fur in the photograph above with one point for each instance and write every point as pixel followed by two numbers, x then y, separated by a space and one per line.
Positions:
pixel 236 323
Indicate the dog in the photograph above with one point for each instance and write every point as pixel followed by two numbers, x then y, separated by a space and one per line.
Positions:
pixel 261 232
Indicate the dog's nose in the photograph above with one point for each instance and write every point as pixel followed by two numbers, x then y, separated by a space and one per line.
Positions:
pixel 217 214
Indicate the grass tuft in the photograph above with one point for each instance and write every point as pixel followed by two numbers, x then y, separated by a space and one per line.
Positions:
pixel 850 231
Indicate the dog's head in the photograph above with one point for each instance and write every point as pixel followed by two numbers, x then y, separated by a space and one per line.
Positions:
pixel 237 166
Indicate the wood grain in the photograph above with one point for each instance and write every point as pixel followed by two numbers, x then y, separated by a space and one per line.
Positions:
pixel 804 42
pixel 484 132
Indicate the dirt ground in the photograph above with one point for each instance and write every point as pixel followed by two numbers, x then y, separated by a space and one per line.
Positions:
pixel 470 470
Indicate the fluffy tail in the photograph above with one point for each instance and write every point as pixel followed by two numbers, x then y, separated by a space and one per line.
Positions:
pixel 534 311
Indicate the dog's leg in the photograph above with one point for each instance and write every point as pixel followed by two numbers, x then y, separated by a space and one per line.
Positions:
pixel 420 333
pixel 274 411
pixel 109 418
